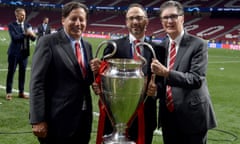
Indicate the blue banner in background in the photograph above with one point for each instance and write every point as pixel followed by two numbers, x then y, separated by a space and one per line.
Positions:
pixel 214 45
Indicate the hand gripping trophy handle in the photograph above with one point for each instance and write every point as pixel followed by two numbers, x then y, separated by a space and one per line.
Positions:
pixel 142 58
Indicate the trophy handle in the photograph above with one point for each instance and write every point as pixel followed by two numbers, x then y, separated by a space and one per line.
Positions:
pixel 148 46
pixel 142 58
pixel 105 57
pixel 107 42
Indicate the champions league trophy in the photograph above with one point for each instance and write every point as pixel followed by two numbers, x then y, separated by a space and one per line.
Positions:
pixel 122 85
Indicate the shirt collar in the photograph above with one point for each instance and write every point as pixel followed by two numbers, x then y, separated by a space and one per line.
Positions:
pixel 20 22
pixel 132 38
pixel 72 40
pixel 178 39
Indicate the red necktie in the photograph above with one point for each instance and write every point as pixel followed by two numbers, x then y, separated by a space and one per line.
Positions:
pixel 79 58
pixel 138 50
pixel 169 98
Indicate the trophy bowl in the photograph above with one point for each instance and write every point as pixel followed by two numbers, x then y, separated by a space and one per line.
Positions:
pixel 122 84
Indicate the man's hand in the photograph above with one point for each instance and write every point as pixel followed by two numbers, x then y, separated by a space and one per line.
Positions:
pixel 40 129
pixel 96 88
pixel 152 87
pixel 30 32
pixel 159 69
pixel 95 65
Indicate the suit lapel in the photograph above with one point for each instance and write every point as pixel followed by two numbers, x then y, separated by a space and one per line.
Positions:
pixel 67 47
pixel 165 45
pixel 17 28
pixel 87 54
pixel 69 54
pixel 181 51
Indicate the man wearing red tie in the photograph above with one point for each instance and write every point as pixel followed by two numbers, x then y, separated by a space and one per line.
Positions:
pixel 186 112
pixel 136 22
pixel 60 97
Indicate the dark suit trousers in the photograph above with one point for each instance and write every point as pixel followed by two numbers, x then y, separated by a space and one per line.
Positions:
pixel 13 61
pixel 81 135
pixel 172 134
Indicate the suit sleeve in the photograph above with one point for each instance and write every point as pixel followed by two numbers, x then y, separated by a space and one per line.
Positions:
pixel 14 33
pixel 40 64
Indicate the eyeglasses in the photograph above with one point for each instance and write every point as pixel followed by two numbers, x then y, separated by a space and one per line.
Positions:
pixel 138 18
pixel 172 17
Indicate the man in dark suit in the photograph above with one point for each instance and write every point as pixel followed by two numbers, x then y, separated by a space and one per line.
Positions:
pixel 186 112
pixel 136 22
pixel 44 28
pixel 20 33
pixel 60 101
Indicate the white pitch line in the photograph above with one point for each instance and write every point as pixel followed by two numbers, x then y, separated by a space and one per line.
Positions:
pixel 224 57
pixel 15 90
pixel 3 70
pixel 224 62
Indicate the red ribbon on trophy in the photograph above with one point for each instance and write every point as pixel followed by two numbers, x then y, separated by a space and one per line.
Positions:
pixel 102 108
pixel 103 113
pixel 141 125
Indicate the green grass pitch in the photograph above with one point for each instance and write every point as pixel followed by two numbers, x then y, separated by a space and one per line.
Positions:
pixel 223 81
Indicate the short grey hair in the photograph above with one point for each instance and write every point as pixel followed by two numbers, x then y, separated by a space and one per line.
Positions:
pixel 172 3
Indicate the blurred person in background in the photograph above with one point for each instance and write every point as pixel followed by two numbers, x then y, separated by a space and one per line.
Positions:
pixel 18 51
pixel 44 28
pixel 186 112
pixel 60 97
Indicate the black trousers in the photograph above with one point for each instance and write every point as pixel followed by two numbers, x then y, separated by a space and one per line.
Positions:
pixel 180 138
pixel 81 136
pixel 13 61
pixel 173 134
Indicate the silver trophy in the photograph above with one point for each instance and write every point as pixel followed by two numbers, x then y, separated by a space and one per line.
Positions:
pixel 122 85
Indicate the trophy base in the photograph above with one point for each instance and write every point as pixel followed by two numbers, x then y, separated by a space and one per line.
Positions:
pixel 116 139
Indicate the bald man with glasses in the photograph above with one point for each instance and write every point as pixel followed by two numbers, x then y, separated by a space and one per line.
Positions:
pixel 136 23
